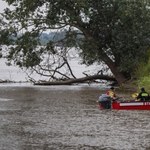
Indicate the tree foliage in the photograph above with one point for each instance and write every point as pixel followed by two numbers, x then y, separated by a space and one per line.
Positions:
pixel 116 32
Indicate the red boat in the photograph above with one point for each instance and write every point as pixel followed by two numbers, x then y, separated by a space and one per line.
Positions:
pixel 131 105
pixel 105 102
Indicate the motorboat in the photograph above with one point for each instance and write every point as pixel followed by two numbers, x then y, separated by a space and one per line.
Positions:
pixel 131 105
pixel 121 104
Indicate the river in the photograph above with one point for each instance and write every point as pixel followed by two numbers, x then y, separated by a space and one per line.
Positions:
pixel 67 118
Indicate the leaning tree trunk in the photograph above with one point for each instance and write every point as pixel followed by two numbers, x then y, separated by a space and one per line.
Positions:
pixel 120 78
pixel 118 75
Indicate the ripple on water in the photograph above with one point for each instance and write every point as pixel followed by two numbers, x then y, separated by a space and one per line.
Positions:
pixel 55 119
pixel 6 99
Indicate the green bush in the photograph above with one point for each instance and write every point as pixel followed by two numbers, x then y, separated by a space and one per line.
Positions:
pixel 144 82
pixel 143 74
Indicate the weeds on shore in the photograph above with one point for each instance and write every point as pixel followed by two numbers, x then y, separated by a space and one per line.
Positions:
pixel 143 74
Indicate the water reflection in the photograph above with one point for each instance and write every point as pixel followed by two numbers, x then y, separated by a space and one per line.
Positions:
pixel 67 118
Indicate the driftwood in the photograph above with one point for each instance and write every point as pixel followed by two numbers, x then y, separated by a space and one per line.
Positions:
pixel 79 80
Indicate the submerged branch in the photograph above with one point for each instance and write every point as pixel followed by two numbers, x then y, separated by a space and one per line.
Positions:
pixel 79 80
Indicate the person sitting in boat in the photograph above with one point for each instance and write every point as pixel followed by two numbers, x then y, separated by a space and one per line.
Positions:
pixel 111 93
pixel 143 95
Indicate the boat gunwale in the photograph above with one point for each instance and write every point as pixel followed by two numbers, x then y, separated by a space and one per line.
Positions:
pixel 131 105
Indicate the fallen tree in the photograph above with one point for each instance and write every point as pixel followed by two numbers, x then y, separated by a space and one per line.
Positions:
pixel 79 80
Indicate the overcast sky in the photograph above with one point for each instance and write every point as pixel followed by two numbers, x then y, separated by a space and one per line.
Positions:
pixel 2 5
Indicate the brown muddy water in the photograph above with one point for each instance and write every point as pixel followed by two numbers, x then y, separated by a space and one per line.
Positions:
pixel 67 118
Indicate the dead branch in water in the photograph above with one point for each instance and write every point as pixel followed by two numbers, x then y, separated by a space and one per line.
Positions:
pixel 79 80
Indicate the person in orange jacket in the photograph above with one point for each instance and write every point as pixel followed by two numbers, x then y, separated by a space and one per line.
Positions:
pixel 111 93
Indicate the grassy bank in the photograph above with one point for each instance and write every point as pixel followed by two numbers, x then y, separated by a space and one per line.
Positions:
pixel 144 82
pixel 142 73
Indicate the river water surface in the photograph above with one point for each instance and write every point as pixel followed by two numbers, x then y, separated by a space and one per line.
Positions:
pixel 67 118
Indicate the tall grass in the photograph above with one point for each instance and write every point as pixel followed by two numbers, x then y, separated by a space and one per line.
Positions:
pixel 143 75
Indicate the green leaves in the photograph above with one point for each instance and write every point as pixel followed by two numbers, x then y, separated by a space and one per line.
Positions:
pixel 118 29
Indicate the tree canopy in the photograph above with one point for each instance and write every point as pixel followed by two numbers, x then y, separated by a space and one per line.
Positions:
pixel 116 32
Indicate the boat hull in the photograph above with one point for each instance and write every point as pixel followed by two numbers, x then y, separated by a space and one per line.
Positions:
pixel 131 105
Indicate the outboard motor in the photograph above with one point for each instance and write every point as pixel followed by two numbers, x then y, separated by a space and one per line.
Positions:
pixel 105 101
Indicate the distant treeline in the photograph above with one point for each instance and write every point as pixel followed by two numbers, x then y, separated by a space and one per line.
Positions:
pixel 52 36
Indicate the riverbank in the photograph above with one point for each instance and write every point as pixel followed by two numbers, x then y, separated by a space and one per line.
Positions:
pixel 129 87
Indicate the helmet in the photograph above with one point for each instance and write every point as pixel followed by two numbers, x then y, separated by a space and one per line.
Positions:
pixel 142 89
pixel 112 88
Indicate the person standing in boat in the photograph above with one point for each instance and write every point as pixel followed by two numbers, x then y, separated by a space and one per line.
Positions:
pixel 111 93
pixel 143 95
pixel 105 100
